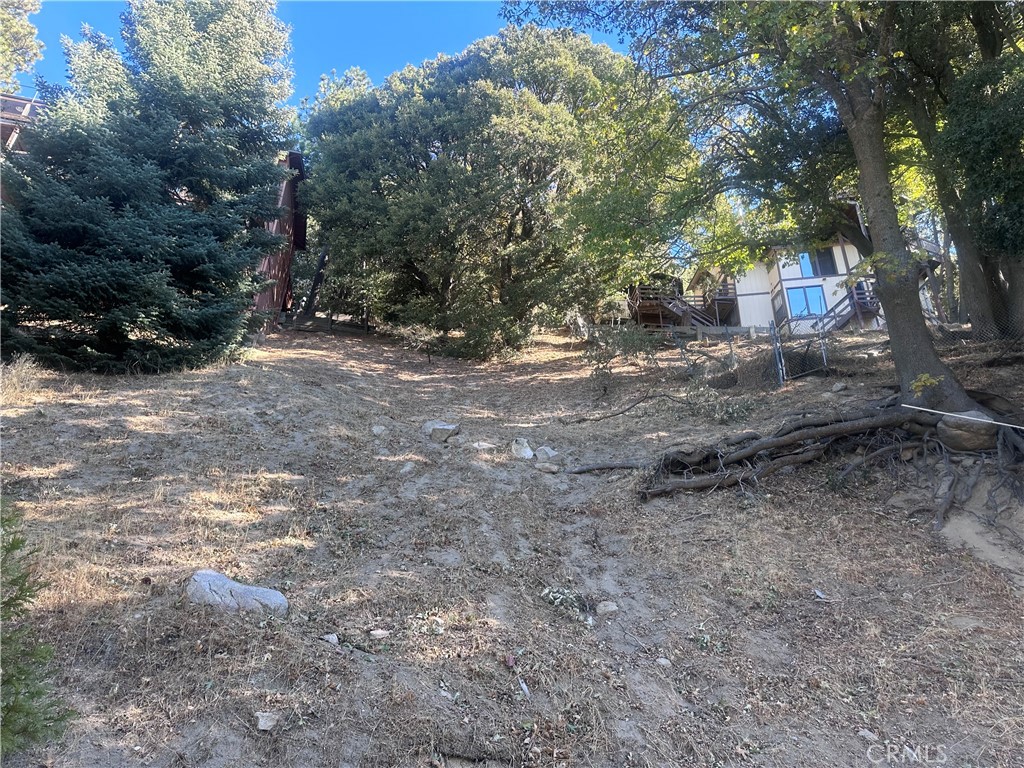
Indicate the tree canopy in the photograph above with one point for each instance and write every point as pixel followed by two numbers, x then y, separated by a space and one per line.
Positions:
pixel 808 100
pixel 137 210
pixel 19 47
pixel 471 192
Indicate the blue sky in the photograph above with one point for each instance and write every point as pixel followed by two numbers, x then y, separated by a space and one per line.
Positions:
pixel 380 37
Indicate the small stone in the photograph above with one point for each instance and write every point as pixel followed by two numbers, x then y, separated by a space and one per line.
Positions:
pixel 378 430
pixel 867 735
pixel 840 387
pixel 545 466
pixel 606 607
pixel 548 455
pixel 217 590
pixel 521 449
pixel 480 445
pixel 439 430
pixel 379 634
pixel 331 638
pixel 664 662
pixel 266 721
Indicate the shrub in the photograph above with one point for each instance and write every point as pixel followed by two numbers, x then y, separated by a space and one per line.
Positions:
pixel 29 712
pixel 630 343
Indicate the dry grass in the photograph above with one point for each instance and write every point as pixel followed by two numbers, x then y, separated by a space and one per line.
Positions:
pixel 19 379
pixel 721 651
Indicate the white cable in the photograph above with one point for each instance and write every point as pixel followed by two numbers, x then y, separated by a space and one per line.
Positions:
pixel 961 416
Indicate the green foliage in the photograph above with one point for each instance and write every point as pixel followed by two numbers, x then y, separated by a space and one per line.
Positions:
pixel 627 343
pixel 923 383
pixel 29 712
pixel 19 47
pixel 986 132
pixel 470 192
pixel 135 222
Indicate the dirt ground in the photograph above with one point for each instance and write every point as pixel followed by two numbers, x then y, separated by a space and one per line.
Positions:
pixel 519 617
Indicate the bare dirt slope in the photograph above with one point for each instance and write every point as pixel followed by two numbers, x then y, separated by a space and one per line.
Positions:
pixel 791 625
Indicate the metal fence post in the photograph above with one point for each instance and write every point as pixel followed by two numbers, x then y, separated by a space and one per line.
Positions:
pixel 780 362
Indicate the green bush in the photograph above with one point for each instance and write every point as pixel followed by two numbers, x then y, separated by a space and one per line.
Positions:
pixel 29 712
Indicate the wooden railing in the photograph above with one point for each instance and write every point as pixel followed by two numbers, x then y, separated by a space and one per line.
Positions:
pixel 860 299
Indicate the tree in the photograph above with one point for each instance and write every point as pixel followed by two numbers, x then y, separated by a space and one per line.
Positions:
pixel 465 194
pixel 136 212
pixel 29 711
pixel 19 47
pixel 943 51
pixel 983 132
pixel 842 51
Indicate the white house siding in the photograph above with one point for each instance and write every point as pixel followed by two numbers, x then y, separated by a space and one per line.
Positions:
pixel 754 287
pixel 753 296
pixel 834 286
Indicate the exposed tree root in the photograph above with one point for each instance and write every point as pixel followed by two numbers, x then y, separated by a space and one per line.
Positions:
pixel 631 464
pixel 749 456
pixel 867 458
pixel 737 476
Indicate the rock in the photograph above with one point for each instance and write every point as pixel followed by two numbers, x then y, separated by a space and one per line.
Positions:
pixel 332 638
pixel 480 445
pixel 521 449
pixel 217 590
pixel 457 440
pixel 545 466
pixel 439 430
pixel 966 623
pixel 867 735
pixel 378 430
pixel 407 468
pixel 265 721
pixel 548 455
pixel 664 662
pixel 605 607
pixel 840 387
pixel 379 634
pixel 975 434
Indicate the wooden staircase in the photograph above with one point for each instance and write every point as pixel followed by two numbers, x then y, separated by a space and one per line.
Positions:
pixel 655 307
pixel 860 301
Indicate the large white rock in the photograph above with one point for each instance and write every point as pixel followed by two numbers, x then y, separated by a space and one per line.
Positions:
pixel 960 434
pixel 439 430
pixel 217 590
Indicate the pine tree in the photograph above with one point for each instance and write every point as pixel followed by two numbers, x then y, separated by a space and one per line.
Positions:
pixel 28 710
pixel 135 216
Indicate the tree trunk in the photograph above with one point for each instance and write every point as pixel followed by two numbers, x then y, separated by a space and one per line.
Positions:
pixel 1013 269
pixel 309 307
pixel 980 297
pixel 923 377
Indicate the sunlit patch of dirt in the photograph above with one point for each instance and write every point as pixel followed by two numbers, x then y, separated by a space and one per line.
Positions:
pixel 780 625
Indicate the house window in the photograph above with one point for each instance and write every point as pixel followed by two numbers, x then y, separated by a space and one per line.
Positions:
pixel 821 263
pixel 806 301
